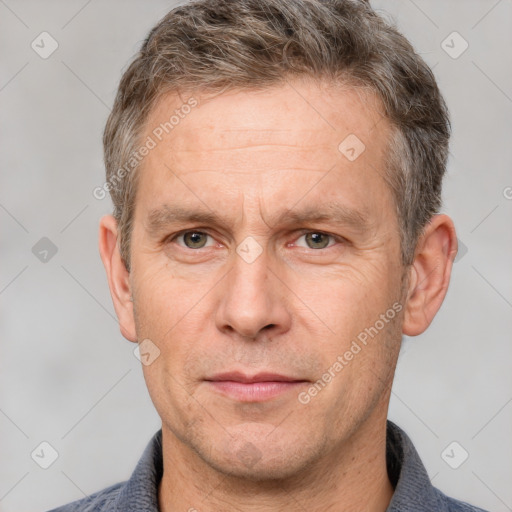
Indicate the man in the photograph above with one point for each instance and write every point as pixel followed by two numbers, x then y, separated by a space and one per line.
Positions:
pixel 276 170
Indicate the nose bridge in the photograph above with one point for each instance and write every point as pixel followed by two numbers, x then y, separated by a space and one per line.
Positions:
pixel 250 299
pixel 249 277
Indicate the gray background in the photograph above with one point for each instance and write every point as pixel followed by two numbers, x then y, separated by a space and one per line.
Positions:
pixel 68 377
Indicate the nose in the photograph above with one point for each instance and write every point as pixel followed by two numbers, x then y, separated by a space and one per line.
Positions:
pixel 253 300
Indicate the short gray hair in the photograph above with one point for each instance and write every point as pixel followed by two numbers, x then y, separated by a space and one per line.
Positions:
pixel 217 45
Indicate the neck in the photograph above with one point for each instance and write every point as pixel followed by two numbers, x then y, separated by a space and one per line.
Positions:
pixel 353 477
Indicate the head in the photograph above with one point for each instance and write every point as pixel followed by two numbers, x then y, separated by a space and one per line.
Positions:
pixel 283 217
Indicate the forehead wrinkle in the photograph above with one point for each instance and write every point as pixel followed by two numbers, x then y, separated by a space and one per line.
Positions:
pixel 160 218
pixel 255 146
pixel 259 170
pixel 178 168
pixel 326 212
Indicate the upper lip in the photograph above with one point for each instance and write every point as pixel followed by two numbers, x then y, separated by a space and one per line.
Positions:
pixel 248 379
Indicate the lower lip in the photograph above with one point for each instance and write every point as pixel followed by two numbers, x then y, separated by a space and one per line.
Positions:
pixel 254 391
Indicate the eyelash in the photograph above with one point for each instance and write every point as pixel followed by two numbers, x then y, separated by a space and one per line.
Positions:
pixel 302 233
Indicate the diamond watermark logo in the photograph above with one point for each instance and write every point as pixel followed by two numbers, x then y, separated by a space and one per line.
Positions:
pixel 454 455
pixel 249 455
pixel 44 45
pixel 146 352
pixel 249 250
pixel 463 249
pixel 454 45
pixel 44 250
pixel 44 455
pixel 351 147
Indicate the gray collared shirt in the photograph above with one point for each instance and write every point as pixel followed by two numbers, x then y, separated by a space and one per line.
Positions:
pixel 413 490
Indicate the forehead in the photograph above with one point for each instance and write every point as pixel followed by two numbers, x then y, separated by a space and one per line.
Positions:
pixel 265 140
pixel 301 113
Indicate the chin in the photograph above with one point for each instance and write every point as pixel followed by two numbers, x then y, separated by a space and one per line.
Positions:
pixel 264 470
pixel 260 460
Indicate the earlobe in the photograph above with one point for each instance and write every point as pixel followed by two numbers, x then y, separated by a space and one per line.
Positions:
pixel 117 275
pixel 429 275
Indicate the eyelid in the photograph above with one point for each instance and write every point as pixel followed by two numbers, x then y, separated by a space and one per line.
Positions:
pixel 172 238
pixel 336 238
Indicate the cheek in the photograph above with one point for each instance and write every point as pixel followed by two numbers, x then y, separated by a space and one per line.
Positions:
pixel 170 311
pixel 346 297
pixel 357 346
pixel 169 319
pixel 173 401
pixel 356 373
pixel 163 299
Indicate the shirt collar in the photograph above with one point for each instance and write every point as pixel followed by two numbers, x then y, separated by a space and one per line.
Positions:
pixel 413 489
pixel 141 491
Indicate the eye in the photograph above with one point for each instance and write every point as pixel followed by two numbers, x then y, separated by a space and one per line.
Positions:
pixel 317 239
pixel 192 239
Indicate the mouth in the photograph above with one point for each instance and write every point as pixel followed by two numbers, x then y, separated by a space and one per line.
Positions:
pixel 253 388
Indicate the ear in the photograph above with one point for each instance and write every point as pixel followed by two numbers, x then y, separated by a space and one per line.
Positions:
pixel 118 277
pixel 429 274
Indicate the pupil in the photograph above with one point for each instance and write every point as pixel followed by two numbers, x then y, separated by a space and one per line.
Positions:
pixel 195 238
pixel 316 238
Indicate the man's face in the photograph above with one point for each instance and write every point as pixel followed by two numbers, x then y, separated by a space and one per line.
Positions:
pixel 268 288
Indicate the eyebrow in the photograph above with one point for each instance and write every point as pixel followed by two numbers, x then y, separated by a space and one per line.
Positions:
pixel 162 218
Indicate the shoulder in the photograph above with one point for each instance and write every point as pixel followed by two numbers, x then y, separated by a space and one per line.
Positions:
pixel 101 501
pixel 453 505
